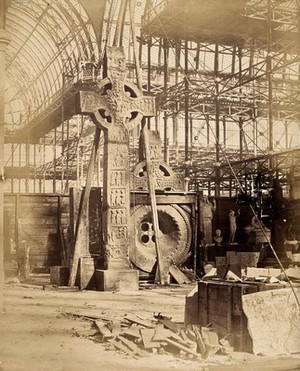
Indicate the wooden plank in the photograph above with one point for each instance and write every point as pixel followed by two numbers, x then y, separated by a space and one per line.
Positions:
pixel 135 319
pixel 115 326
pixel 200 342
pixel 82 220
pixel 182 347
pixel 165 266
pixel 211 340
pixel 161 333
pixel 103 329
pixel 186 341
pixel 133 331
pixel 179 276
pixel 162 277
pixel 176 327
pixel 88 316
pixel 131 345
pixel 119 345
pixel 147 336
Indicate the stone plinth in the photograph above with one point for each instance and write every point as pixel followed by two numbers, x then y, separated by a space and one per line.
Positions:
pixel 117 280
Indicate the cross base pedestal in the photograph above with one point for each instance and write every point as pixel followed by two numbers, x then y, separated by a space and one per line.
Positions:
pixel 117 280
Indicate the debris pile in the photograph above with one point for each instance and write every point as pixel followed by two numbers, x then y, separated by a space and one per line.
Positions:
pixel 135 336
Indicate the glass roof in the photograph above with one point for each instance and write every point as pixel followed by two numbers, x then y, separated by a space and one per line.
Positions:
pixel 48 39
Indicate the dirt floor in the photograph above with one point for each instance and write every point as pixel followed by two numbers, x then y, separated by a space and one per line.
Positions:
pixel 38 333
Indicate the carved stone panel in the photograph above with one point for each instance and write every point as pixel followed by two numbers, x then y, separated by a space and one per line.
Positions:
pixel 164 177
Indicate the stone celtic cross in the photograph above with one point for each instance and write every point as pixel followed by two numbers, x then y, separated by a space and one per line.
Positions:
pixel 117 106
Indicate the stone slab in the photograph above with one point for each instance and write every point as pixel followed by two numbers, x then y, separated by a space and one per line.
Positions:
pixel 247 259
pixel 293 272
pixel 117 280
pixel 273 321
pixel 268 272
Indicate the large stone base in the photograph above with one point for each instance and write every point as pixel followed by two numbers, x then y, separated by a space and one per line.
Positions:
pixel 117 280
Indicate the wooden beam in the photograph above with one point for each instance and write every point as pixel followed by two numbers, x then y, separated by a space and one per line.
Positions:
pixel 82 218
pixel 162 279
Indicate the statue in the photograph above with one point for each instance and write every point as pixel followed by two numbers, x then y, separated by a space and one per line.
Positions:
pixel 206 214
pixel 232 221
pixel 219 247
pixel 218 237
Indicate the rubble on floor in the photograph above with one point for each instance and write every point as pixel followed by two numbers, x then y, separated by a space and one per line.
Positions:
pixel 135 336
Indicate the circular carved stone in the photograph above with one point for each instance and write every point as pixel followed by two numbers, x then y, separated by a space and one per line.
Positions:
pixel 175 236
pixel 120 104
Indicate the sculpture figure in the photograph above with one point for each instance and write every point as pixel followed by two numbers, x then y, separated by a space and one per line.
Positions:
pixel 206 214
pixel 218 237
pixel 219 246
pixel 232 222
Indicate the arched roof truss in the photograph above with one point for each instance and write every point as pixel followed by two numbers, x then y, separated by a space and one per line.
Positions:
pixel 48 39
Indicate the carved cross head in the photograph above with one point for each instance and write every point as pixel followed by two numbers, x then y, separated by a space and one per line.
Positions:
pixel 115 101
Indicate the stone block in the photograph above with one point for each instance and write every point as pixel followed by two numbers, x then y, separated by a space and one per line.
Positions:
pixel 296 257
pixel 59 275
pixel 117 280
pixel 86 273
pixel 232 257
pixel 274 272
pixel 249 259
pixel 276 332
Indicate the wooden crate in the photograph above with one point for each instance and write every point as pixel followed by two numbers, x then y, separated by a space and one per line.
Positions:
pixel 220 303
